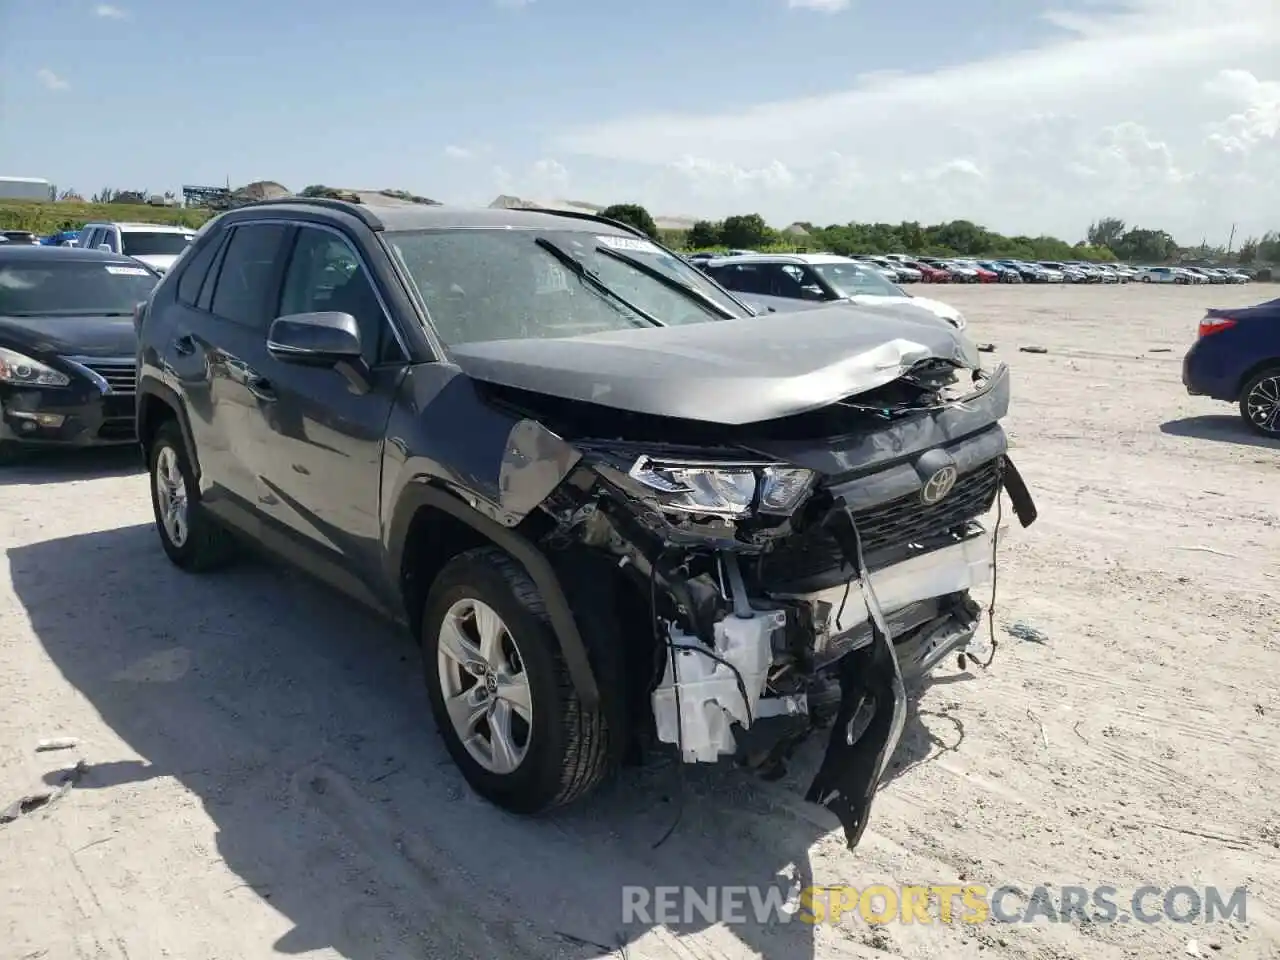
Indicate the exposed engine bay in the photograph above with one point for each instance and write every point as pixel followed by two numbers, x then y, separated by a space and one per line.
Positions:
pixel 799 572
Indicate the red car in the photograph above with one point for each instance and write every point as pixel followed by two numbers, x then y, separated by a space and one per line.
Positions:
pixel 927 273
pixel 984 275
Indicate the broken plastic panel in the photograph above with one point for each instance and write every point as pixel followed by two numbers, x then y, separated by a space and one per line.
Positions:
pixel 714 693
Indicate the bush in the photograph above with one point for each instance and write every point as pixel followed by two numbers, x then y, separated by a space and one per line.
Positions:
pixel 44 218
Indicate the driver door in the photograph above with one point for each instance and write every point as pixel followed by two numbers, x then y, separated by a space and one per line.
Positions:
pixel 323 440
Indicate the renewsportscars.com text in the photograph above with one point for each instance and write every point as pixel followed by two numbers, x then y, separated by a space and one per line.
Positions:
pixel 933 903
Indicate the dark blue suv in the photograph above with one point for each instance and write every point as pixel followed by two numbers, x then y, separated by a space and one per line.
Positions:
pixel 1236 358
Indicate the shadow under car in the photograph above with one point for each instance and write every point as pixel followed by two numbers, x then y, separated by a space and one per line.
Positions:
pixel 301 723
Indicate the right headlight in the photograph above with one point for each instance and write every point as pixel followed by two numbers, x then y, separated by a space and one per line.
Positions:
pixel 724 489
pixel 21 371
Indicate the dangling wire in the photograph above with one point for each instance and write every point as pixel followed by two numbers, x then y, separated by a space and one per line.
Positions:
pixel 995 543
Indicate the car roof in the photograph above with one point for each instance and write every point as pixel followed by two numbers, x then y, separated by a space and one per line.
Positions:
pixel 12 252
pixel 149 227
pixel 434 216
pixel 797 258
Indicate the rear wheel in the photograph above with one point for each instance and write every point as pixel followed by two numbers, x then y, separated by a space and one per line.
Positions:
pixel 1260 402
pixel 190 537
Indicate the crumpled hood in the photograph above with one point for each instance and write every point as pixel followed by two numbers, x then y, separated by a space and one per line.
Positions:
pixel 936 307
pixel 732 371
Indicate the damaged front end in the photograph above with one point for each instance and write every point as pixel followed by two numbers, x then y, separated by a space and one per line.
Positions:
pixel 799 572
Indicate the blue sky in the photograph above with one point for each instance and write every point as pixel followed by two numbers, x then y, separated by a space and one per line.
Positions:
pixel 1026 115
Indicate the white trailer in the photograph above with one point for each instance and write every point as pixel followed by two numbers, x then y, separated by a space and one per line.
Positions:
pixel 24 188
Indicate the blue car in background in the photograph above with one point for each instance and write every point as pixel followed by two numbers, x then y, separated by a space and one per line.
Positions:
pixel 1236 359
pixel 60 239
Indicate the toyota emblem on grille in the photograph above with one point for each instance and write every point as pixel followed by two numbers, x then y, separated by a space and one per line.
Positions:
pixel 939 485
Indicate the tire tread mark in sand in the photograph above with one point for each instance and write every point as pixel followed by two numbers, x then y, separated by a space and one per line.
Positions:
pixel 421 882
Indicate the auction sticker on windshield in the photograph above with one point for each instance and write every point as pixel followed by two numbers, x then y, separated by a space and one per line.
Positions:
pixel 127 272
pixel 628 243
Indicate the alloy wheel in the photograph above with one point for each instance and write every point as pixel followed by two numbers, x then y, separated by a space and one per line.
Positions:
pixel 485 687
pixel 1263 404
pixel 171 496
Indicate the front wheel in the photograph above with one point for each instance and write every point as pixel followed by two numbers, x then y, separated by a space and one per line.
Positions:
pixel 500 690
pixel 1260 402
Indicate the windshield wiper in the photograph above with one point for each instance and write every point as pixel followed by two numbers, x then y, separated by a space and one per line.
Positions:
pixel 669 281
pixel 592 280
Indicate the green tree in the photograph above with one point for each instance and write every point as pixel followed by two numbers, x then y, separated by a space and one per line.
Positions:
pixel 634 215
pixel 745 231
pixel 703 234
pixel 1143 244
pixel 1269 247
pixel 1105 232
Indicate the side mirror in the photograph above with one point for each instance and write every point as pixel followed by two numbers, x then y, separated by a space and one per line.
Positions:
pixel 105 248
pixel 811 291
pixel 315 339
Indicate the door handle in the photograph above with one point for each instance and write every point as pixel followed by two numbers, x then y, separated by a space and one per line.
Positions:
pixel 185 345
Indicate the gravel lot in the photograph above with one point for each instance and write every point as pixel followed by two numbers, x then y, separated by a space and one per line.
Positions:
pixel 262 774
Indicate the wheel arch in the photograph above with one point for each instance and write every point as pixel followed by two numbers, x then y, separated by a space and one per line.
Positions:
pixel 156 404
pixel 1252 372
pixel 430 526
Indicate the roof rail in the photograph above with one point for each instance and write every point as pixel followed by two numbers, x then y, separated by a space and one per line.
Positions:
pixel 358 210
pixel 584 215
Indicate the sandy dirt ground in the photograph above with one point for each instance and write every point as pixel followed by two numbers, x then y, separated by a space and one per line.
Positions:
pixel 261 775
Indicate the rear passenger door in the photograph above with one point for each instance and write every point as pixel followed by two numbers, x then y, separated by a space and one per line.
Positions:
pixel 217 349
pixel 321 440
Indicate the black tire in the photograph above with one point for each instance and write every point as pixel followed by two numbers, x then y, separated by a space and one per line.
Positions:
pixel 1269 374
pixel 208 545
pixel 570 750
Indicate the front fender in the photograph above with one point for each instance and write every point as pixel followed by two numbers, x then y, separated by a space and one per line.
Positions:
pixel 422 494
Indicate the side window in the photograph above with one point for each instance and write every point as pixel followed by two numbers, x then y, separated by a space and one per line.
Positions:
pixel 108 236
pixel 784 281
pixel 248 269
pixel 743 277
pixel 195 267
pixel 89 238
pixel 325 274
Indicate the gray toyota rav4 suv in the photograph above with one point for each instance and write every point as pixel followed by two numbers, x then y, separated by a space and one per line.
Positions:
pixel 615 506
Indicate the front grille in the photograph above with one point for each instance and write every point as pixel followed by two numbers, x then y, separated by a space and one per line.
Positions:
pixel 121 375
pixel 896 523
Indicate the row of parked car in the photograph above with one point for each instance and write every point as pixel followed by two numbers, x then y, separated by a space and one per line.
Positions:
pixel 157 245
pixel 901 268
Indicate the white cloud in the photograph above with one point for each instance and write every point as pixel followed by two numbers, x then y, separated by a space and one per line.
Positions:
pixel 545 180
pixel 1039 139
pixel 109 12
pixel 454 152
pixel 1258 120
pixel 822 6
pixel 51 80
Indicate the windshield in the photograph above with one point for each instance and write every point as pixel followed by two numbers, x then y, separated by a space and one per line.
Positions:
pixel 138 244
pixel 72 288
pixel 502 284
pixel 851 280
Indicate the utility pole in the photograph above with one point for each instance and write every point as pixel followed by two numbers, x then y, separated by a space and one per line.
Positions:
pixel 1231 240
